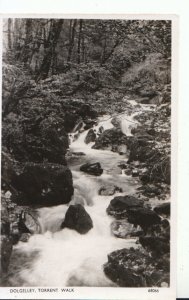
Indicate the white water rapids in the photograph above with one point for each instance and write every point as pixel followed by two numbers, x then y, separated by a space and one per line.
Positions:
pixel 65 257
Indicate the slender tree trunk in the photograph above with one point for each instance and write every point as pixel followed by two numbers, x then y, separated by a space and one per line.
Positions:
pixel 72 37
pixel 28 39
pixel 51 43
pixel 79 46
pixel 103 55
pixel 83 48
pixel 9 34
pixel 79 42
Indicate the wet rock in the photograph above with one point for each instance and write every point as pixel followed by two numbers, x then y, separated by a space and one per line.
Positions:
pixel 116 122
pixel 90 137
pixel 43 185
pixel 92 169
pixel 109 190
pixel 78 153
pixel 136 268
pixel 120 205
pixel 158 245
pixel 163 209
pixel 126 267
pixel 5 253
pixel 122 229
pixel 150 190
pixel 143 216
pixel 25 237
pixel 77 218
pixel 135 173
pixel 100 130
pixel 89 124
pixel 111 139
pixel 123 165
pixel 128 172
pixel 28 223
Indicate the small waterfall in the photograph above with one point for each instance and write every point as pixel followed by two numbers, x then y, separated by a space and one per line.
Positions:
pixel 127 123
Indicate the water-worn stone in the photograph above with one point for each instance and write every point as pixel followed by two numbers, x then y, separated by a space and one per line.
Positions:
pixel 120 205
pixel 136 268
pixel 90 137
pixel 109 190
pixel 135 173
pixel 111 139
pixel 126 267
pixel 28 223
pixel 123 229
pixel 77 218
pixel 25 237
pixel 150 190
pixel 163 209
pixel 89 124
pixel 143 216
pixel 158 245
pixel 92 169
pixel 43 185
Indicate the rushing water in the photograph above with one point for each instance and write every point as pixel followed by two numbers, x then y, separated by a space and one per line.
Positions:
pixel 64 257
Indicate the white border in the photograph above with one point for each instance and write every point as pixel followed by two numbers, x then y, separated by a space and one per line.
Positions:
pixel 134 293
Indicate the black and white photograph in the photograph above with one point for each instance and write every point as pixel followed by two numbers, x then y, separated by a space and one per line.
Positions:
pixel 86 152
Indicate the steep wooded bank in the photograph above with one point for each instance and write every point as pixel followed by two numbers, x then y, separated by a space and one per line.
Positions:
pixel 58 74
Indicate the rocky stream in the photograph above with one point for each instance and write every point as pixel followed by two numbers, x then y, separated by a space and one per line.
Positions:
pixel 115 231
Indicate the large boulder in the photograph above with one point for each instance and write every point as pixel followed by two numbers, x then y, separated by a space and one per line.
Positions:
pixel 111 139
pixel 120 205
pixel 126 267
pixel 157 245
pixel 144 217
pixel 43 185
pixel 163 209
pixel 92 169
pixel 78 219
pixel 136 268
pixel 90 137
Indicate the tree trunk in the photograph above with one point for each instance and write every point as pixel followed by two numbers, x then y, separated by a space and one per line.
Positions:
pixel 71 38
pixel 79 42
pixel 54 33
pixel 28 39
pixel 79 46
pixel 9 34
